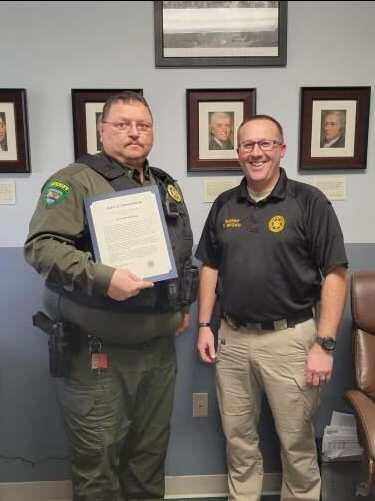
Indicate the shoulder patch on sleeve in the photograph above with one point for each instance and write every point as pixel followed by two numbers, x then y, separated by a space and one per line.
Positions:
pixel 55 192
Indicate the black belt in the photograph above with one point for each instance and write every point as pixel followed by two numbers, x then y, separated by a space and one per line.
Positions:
pixel 269 325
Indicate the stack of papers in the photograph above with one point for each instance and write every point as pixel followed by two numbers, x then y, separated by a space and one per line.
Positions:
pixel 340 439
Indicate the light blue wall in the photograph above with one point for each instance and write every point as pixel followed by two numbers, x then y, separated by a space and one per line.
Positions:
pixel 51 47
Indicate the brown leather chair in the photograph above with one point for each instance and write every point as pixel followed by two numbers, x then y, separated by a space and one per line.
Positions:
pixel 363 398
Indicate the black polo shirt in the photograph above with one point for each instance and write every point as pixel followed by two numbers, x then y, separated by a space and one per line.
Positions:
pixel 271 255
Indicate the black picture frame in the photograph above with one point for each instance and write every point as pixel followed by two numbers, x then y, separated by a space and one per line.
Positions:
pixel 14 132
pixel 201 45
pixel 88 103
pixel 202 106
pixel 334 127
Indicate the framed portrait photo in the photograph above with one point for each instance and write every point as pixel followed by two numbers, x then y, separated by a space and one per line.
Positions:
pixel 14 131
pixel 213 117
pixel 334 127
pixel 87 110
pixel 220 33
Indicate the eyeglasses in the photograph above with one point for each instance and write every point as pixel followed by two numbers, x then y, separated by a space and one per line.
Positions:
pixel 141 127
pixel 264 145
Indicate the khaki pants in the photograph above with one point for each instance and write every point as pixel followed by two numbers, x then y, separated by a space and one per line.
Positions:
pixel 248 363
pixel 118 421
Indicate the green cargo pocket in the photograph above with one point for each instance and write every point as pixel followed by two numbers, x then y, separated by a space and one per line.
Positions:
pixel 77 401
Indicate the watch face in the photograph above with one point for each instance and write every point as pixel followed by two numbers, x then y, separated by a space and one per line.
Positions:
pixel 328 343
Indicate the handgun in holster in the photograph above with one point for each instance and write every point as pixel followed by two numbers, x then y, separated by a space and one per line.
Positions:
pixel 60 344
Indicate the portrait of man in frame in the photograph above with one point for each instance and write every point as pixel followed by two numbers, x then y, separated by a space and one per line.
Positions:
pixel 220 129
pixel 333 129
pixel 3 132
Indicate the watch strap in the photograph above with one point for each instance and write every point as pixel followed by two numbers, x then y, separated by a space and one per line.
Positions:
pixel 204 324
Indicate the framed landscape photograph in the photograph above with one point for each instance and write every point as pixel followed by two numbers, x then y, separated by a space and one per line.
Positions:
pixel 87 109
pixel 213 117
pixel 334 127
pixel 14 131
pixel 203 33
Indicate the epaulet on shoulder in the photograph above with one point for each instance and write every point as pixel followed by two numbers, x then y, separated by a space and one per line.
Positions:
pixel 91 160
pixel 74 166
pixel 161 174
pixel 66 173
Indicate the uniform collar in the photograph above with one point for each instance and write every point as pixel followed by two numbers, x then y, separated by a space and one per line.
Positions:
pixel 114 169
pixel 278 193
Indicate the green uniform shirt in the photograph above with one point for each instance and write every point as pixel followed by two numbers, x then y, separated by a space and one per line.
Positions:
pixel 59 225
pixel 57 247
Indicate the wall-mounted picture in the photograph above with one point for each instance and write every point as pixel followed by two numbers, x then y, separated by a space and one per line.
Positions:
pixel 14 131
pixel 213 117
pixel 87 109
pixel 334 127
pixel 220 33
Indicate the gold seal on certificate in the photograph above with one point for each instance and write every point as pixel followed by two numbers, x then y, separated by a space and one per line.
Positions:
pixel 128 230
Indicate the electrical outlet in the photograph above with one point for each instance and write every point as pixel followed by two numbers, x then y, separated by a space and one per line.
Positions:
pixel 200 404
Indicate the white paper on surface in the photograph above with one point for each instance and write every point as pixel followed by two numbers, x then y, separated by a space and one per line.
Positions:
pixel 340 439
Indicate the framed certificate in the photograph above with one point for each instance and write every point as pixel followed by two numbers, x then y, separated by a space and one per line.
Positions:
pixel 128 230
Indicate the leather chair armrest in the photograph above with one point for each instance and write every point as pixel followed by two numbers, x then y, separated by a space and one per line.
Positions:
pixel 365 410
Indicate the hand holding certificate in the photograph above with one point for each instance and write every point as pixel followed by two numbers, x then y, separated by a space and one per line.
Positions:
pixel 129 231
pixel 124 285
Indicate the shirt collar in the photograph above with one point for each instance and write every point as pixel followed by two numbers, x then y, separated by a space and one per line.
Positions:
pixel 115 169
pixel 277 193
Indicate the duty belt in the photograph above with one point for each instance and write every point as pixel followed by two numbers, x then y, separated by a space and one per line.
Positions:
pixel 268 325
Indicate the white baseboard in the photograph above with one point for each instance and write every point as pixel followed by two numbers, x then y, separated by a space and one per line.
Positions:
pixel 36 491
pixel 189 486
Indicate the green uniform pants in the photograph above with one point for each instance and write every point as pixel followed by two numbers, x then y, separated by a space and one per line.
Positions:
pixel 118 421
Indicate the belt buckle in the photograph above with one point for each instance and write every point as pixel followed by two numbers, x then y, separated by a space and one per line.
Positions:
pixel 280 325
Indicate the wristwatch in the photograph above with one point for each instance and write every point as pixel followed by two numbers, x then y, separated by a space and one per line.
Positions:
pixel 327 343
pixel 204 324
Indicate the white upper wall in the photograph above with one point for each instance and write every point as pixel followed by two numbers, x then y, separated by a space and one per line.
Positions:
pixel 51 47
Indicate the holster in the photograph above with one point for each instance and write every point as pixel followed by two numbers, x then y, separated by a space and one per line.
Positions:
pixel 189 285
pixel 61 343
pixel 178 292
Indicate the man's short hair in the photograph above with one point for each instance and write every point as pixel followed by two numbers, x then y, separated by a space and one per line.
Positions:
pixel 127 96
pixel 263 117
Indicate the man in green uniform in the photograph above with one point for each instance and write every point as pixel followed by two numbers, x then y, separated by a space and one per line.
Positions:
pixel 117 395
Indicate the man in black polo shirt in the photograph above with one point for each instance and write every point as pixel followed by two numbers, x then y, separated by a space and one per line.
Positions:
pixel 271 249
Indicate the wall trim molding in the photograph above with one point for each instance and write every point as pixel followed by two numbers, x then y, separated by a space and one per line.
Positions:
pixel 186 486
